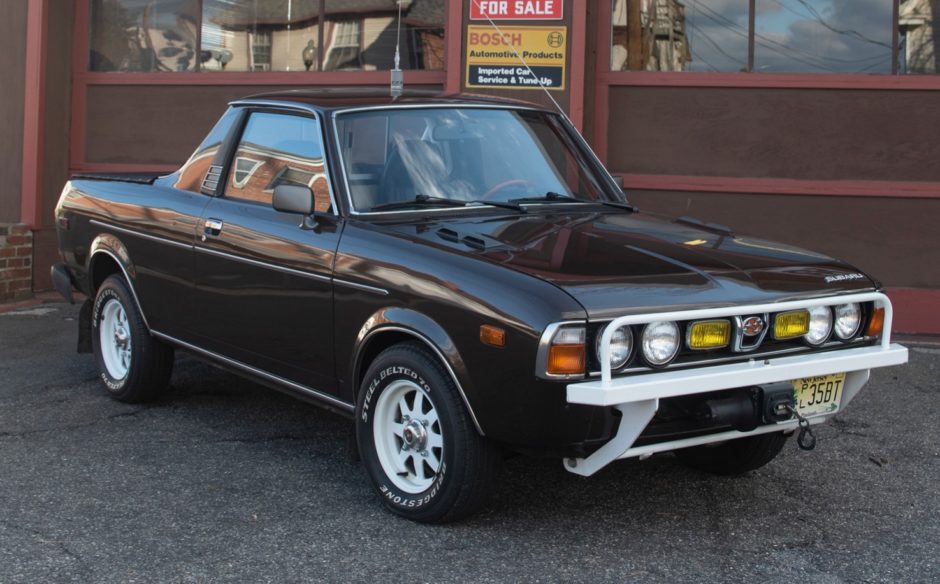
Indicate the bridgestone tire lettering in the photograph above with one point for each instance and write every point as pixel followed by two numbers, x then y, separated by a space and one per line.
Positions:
pixel 468 463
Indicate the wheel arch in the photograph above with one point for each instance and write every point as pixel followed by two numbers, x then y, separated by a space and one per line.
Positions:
pixel 108 256
pixel 396 325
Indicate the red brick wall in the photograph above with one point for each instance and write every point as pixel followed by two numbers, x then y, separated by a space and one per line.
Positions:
pixel 16 262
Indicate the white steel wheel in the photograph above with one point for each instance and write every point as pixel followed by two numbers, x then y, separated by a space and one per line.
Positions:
pixel 407 435
pixel 115 339
pixel 132 365
pixel 418 443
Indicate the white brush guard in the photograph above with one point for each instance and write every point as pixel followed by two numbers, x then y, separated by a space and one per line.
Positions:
pixel 637 396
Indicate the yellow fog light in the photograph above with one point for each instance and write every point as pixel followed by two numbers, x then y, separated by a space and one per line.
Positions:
pixel 789 325
pixel 709 334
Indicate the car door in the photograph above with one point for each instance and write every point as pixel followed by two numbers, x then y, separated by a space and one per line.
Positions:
pixel 264 281
pixel 158 225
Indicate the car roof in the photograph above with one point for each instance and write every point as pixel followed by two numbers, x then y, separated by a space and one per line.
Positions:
pixel 355 97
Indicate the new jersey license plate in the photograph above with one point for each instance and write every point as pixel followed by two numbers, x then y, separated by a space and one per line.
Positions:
pixel 818 395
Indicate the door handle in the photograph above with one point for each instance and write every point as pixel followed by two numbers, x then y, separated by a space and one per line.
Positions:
pixel 213 227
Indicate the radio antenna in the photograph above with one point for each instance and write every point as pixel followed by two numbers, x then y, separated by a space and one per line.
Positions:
pixel 521 60
pixel 398 76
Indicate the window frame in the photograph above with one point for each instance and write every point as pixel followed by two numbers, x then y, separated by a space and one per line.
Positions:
pixel 606 183
pixel 248 109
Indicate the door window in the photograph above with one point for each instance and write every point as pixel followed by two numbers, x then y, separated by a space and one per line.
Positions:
pixel 278 149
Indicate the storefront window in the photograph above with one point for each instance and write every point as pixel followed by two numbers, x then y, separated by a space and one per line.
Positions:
pixel 788 36
pixel 365 40
pixel 259 35
pixel 264 35
pixel 144 35
pixel 919 28
pixel 674 35
pixel 829 36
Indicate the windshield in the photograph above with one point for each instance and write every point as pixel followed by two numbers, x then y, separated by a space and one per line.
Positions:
pixel 461 155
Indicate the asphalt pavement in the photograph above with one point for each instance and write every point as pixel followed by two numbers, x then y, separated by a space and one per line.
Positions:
pixel 226 481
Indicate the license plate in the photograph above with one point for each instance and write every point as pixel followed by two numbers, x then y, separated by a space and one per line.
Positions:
pixel 818 395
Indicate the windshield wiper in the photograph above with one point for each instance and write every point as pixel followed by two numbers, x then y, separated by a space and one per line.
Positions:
pixel 552 196
pixel 419 201
pixel 619 205
pixel 502 204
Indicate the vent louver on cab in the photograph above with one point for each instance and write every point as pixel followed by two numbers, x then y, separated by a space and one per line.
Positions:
pixel 211 182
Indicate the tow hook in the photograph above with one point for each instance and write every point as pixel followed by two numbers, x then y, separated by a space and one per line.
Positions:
pixel 806 439
pixel 780 406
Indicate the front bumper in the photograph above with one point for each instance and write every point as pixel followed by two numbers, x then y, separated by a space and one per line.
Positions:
pixel 637 396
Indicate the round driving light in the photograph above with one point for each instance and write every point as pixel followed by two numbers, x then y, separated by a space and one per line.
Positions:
pixel 621 346
pixel 660 342
pixel 820 325
pixel 848 320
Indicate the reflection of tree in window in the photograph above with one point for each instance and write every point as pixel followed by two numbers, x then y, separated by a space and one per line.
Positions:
pixel 649 35
pixel 814 36
pixel 143 35
pixel 918 21
pixel 263 35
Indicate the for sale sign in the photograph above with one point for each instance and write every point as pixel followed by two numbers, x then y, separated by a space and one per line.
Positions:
pixel 516 57
pixel 516 9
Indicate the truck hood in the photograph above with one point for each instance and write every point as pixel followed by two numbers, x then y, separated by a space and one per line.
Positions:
pixel 615 263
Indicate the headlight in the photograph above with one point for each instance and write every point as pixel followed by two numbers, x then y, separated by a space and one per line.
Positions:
pixel 621 346
pixel 660 342
pixel 820 325
pixel 848 320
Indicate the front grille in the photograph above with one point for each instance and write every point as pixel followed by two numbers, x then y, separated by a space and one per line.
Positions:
pixel 742 347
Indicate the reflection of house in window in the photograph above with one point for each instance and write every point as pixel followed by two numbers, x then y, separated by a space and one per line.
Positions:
pixel 244 168
pixel 292 176
pixel 261 50
pixel 917 22
pixel 271 35
pixel 344 46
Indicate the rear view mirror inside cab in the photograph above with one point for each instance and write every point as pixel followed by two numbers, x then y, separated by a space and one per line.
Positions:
pixel 452 129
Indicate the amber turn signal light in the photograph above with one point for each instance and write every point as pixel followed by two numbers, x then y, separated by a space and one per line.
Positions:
pixel 877 323
pixel 492 335
pixel 566 359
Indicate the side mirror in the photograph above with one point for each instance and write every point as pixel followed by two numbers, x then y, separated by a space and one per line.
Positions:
pixel 295 199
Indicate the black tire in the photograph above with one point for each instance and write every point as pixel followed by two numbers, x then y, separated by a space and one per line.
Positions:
pixel 147 368
pixel 734 457
pixel 467 463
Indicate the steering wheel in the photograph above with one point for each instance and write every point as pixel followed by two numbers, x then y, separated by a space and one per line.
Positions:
pixel 506 184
